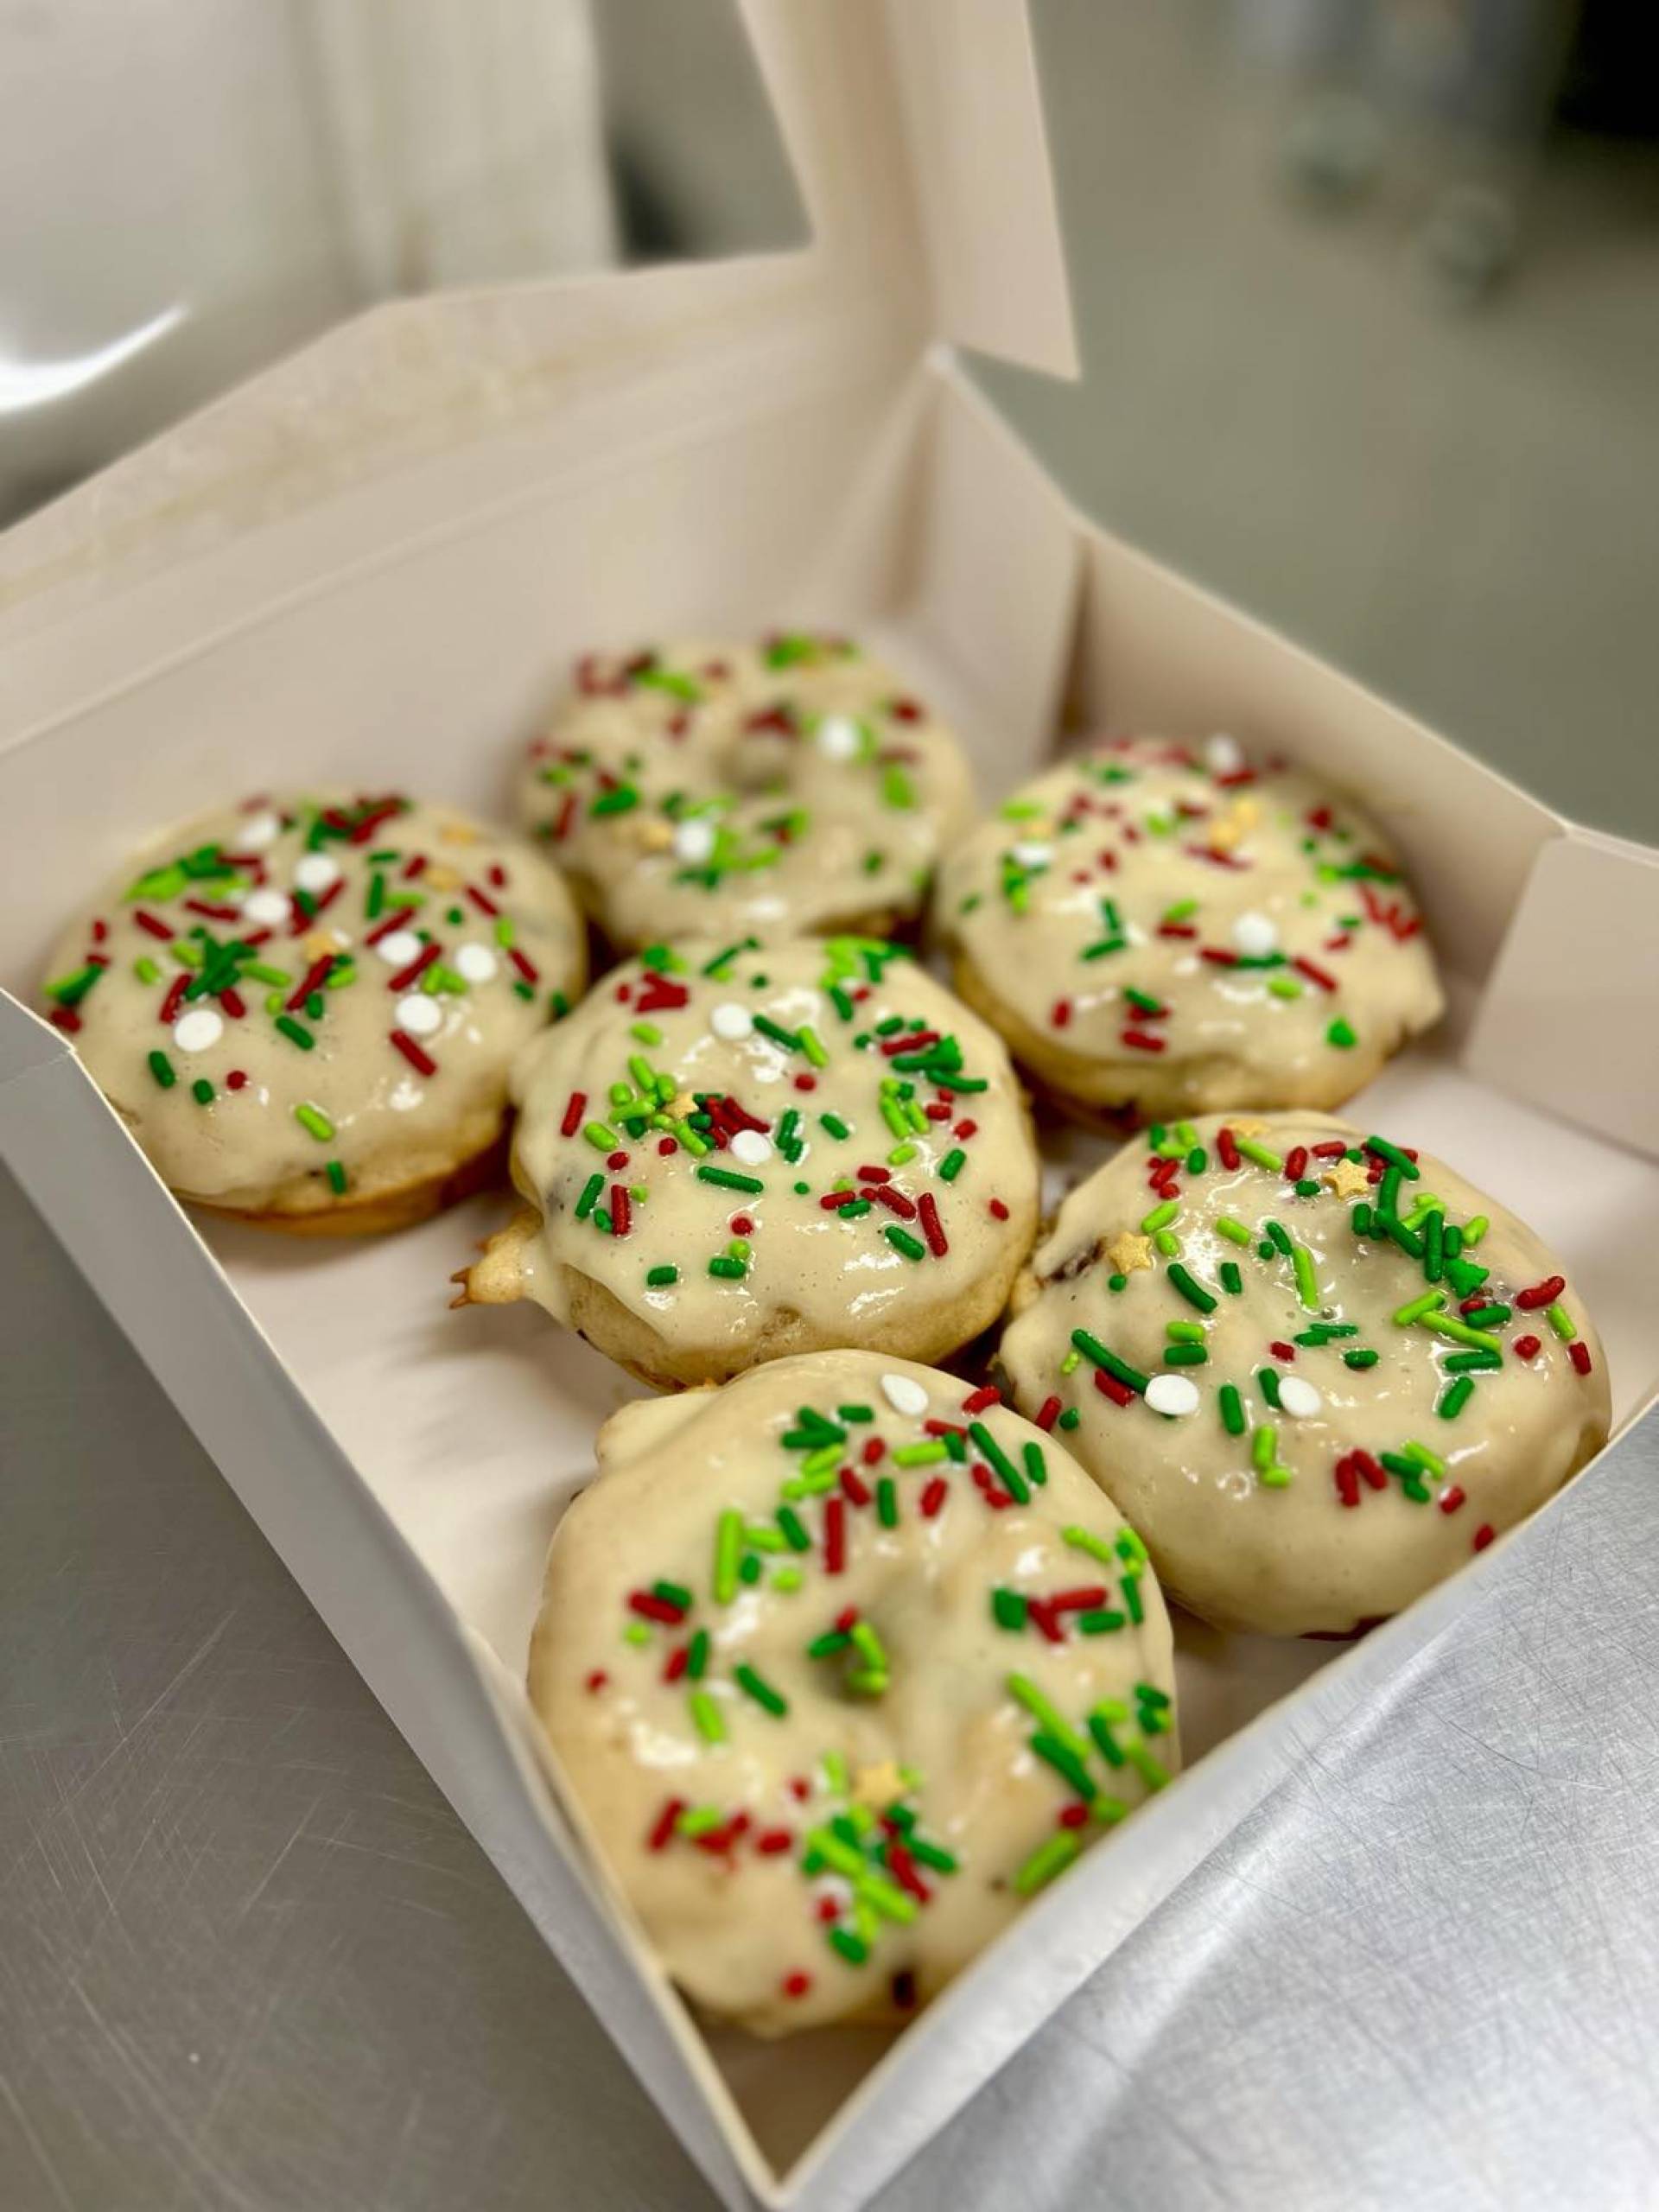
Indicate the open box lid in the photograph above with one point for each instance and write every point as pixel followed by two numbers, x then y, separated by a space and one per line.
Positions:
pixel 916 134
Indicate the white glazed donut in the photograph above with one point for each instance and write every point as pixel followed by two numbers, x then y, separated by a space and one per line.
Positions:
pixel 700 789
pixel 305 1009
pixel 841 1665
pixel 736 1153
pixel 1162 929
pixel 1317 1371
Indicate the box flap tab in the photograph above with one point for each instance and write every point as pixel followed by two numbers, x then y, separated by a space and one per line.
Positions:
pixel 916 129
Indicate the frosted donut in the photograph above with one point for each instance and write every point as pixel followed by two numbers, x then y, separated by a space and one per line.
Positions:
pixel 304 1009
pixel 1160 930
pixel 698 789
pixel 734 1153
pixel 1315 1368
pixel 842 1665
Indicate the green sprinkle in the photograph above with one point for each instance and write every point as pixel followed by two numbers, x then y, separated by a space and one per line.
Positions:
pixel 706 1714
pixel 1459 1333
pixel 1024 1692
pixel 1393 1154
pixel 1308 1288
pixel 1561 1321
pixel 834 1125
pixel 728 1179
pixel 1340 1035
pixel 1065 1762
pixel 1091 1348
pixel 1260 1153
pixel 1036 1466
pixel 313 1118
pixel 1085 1540
pixel 162 1068
pixel 1231 1280
pixel 1473 1362
pixel 1429 1303
pixel 1267 1383
pixel 1008 1609
pixel 1235 1231
pixel 202 1091
pixel 729 1542
pixel 336 1174
pixel 601 1137
pixel 886 1502
pixel 1474 1230
pixel 1194 1294
pixel 1160 1217
pixel 1359 1360
pixel 291 1029
pixel 1232 1410
pixel 902 1241
pixel 1052 1857
pixel 659 1278
pixel 590 1198
pixel 952 1165
pixel 777 1033
pixel 757 1686
pixel 1263 1445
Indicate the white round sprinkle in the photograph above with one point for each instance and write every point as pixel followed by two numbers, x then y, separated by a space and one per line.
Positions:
pixel 316 872
pixel 264 907
pixel 903 1395
pixel 694 841
pixel 420 1015
pixel 477 962
pixel 1030 854
pixel 1173 1394
pixel 730 1020
pixel 838 737
pixel 198 1031
pixel 399 948
pixel 1298 1399
pixel 752 1147
pixel 1222 755
pixel 1255 935
pixel 256 832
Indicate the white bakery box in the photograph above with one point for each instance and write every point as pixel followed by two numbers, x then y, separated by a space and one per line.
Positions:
pixel 374 563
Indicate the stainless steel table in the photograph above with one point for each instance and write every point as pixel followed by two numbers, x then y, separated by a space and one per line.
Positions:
pixel 250 1959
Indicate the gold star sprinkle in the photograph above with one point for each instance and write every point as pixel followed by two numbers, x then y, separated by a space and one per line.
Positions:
pixel 1241 1128
pixel 878 1785
pixel 441 878
pixel 320 941
pixel 1347 1179
pixel 1126 1252
pixel 456 832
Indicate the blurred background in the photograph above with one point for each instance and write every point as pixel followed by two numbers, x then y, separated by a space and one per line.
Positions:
pixel 1368 289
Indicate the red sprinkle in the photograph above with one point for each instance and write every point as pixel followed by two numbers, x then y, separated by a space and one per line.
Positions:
pixel 575 1106
pixel 875 1174
pixel 653 1608
pixel 1375 1475
pixel 1039 1609
pixel 416 969
pixel 1078 1601
pixel 422 1063
pixel 397 920
pixel 1527 1347
pixel 176 991
pixel 806 1083
pixel 875 1451
pixel 313 980
pixel 976 1401
pixel 833 1201
pixel 998 1210
pixel 1578 1352
pixel 1296 1163
pixel 65 1018
pixel 1110 1387
pixel 1347 1480
pixel 621 1209
pixel 796 1984
pixel 482 900
pixel 1049 1413
pixel 903 1868
pixel 676 1663
pixel 1141 1042
pixel 1314 975
pixel 1072 1815
pixel 1483 1535
pixel 657 1840
pixel 1333 1151
pixel 148 922
pixel 1542 1293
pixel 1451 1499
pixel 1227 1147
pixel 596 1681
pixel 856 1491
pixel 236 1079
pixel 835 1535
pixel 933 1496
pixel 1060 1013
pixel 909 1041
pixel 932 1227
pixel 527 968
pixel 1281 1351
pixel 895 1200
pixel 232 1001
pixel 772 1840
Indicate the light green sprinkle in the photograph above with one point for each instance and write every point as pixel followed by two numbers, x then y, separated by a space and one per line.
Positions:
pixel 1052 1857
pixel 316 1122
pixel 706 1714
pixel 1235 1231
pixel 729 1542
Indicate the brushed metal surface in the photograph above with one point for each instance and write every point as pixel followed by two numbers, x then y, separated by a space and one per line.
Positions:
pixel 249 1958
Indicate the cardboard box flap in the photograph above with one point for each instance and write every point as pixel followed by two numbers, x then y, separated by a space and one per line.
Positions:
pixel 915 130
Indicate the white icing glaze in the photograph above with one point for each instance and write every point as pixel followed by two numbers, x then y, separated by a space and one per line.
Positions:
pixel 851 1276
pixel 1299 1540
pixel 715 789
pixel 919 1716
pixel 386 1123
pixel 1149 938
